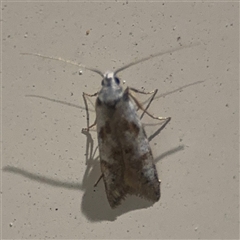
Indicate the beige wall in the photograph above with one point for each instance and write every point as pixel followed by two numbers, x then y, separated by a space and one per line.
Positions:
pixel 47 188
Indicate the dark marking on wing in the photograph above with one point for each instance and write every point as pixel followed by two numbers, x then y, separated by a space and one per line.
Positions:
pixel 128 150
pixel 125 96
pixel 98 102
pixel 129 126
pixel 105 130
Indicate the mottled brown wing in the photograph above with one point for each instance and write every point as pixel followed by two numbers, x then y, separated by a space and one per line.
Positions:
pixel 111 159
pixel 125 155
pixel 140 174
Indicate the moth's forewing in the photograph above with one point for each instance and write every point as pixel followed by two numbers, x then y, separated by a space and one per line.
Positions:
pixel 110 155
pixel 140 174
pixel 125 156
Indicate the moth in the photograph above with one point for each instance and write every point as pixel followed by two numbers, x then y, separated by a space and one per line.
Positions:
pixel 126 159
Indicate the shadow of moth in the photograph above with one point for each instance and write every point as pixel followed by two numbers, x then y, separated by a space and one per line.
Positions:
pixel 126 159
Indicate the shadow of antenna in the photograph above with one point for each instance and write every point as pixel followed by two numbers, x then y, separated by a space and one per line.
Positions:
pixel 57 101
pixel 169 152
pixel 43 179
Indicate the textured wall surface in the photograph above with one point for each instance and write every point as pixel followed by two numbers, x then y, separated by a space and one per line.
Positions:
pixel 49 167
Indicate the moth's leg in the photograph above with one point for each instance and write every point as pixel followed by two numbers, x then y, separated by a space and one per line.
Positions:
pixel 145 109
pixel 96 183
pixel 90 95
pixel 142 92
pixel 87 128
pixel 85 101
pixel 95 122
pixel 154 92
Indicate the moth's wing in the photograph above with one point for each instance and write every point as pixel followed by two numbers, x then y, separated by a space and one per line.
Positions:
pixel 140 173
pixel 110 156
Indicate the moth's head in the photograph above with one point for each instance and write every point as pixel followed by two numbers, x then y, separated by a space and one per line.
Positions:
pixel 110 79
pixel 111 90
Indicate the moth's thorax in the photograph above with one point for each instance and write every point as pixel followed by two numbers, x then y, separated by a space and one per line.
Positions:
pixel 111 90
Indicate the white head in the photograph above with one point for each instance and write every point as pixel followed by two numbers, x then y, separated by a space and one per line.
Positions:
pixel 111 90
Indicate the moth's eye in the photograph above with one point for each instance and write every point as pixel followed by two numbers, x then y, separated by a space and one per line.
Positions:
pixel 117 80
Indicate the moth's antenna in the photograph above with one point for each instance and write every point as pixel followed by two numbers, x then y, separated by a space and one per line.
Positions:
pixel 154 55
pixel 66 61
